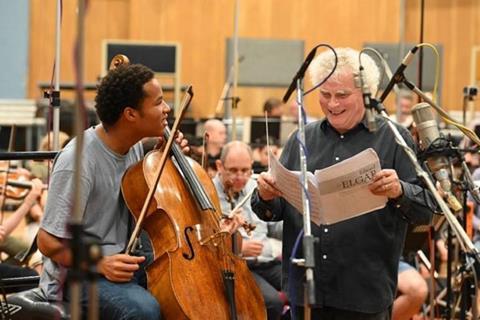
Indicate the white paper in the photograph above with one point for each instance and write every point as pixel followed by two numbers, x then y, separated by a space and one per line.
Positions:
pixel 288 182
pixel 337 193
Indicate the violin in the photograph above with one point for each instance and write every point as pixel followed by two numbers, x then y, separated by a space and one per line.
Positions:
pixel 17 184
pixel 248 227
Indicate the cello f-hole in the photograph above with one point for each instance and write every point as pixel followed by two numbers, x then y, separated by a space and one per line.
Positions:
pixel 190 255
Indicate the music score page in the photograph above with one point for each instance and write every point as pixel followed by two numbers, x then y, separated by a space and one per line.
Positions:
pixel 337 193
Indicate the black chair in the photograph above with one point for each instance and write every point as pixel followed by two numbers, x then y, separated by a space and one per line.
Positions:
pixel 32 304
pixel 18 284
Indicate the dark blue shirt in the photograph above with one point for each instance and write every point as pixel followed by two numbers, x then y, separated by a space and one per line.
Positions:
pixel 356 260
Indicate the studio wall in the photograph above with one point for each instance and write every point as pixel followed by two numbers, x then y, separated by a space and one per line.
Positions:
pixel 201 27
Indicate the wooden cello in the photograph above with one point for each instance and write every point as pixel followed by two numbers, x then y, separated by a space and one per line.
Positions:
pixel 194 275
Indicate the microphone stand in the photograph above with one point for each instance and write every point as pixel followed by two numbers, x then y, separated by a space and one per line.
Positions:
pixel 465 241
pixel 56 93
pixel 85 255
pixel 308 262
pixel 457 229
pixel 76 216
pixel 235 72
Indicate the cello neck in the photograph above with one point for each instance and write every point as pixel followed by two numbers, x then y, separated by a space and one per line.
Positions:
pixel 203 200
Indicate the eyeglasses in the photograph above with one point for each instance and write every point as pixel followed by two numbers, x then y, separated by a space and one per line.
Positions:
pixel 238 171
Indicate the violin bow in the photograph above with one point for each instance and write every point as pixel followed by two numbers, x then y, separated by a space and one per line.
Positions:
pixel 166 152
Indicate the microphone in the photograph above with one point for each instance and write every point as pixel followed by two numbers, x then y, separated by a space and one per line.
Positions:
pixel 428 132
pixel 367 96
pixel 398 76
pixel 300 74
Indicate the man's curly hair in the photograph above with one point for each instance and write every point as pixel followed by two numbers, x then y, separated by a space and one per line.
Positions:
pixel 120 88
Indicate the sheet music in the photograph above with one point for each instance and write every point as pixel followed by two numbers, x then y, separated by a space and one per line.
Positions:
pixel 337 193
pixel 288 182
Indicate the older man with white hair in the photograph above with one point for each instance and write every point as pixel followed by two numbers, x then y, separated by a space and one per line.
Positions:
pixel 356 260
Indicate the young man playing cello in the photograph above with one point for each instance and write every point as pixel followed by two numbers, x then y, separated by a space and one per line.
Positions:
pixel 130 106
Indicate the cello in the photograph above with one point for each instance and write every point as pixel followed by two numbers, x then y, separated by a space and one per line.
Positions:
pixel 194 273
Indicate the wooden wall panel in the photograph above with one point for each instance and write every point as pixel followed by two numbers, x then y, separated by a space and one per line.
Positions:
pixel 105 19
pixel 455 24
pixel 477 71
pixel 201 27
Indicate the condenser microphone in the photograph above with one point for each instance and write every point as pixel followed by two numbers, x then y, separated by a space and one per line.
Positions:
pixel 300 74
pixel 367 101
pixel 398 75
pixel 428 133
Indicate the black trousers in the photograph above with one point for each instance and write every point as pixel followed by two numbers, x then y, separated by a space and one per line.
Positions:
pixel 268 277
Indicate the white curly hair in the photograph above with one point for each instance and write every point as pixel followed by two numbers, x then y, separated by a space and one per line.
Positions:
pixel 347 62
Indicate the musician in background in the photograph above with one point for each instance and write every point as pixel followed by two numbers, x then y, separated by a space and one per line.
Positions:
pixel 273 107
pixel 412 290
pixel 405 101
pixel 39 168
pixel 216 137
pixel 260 153
pixel 233 182
pixel 356 260
pixel 12 245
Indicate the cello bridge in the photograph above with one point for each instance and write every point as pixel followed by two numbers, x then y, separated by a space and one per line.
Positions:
pixel 215 238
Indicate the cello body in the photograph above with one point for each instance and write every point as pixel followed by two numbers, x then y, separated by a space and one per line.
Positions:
pixel 191 254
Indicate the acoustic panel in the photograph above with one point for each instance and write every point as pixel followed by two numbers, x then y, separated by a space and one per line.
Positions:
pixel 391 52
pixel 159 57
pixel 258 129
pixel 265 62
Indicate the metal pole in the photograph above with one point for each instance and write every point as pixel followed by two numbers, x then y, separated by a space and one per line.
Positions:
pixel 401 46
pixel 235 73
pixel 308 240
pixel 76 218
pixel 56 103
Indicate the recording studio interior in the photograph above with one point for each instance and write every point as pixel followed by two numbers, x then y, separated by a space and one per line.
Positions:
pixel 240 159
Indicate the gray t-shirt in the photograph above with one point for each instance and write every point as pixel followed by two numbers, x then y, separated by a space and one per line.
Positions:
pixel 105 215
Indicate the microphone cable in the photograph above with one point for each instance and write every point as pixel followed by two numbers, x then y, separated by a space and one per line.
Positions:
pixel 385 71
pixel 444 114
pixel 330 73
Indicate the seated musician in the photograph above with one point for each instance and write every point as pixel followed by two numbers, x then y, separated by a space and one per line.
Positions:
pixel 130 106
pixel 412 290
pixel 233 182
pixel 217 137
pixel 12 245
pixel 260 153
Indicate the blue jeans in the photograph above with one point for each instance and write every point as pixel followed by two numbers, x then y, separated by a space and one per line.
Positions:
pixel 121 301
pixel 126 300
